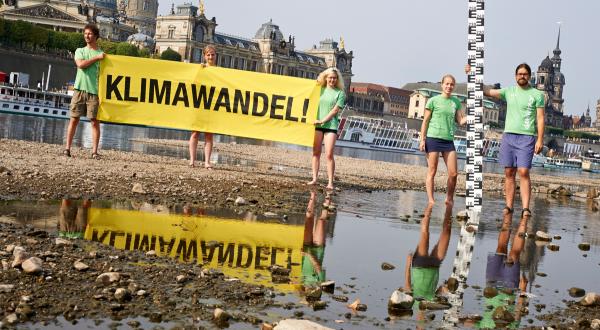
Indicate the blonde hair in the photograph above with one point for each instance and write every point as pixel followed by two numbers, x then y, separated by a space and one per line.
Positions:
pixel 322 78
pixel 207 47
pixel 448 76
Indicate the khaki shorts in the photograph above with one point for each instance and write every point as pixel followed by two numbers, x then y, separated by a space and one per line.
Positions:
pixel 84 104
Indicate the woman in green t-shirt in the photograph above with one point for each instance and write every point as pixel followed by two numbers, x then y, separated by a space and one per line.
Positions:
pixel 331 101
pixel 437 135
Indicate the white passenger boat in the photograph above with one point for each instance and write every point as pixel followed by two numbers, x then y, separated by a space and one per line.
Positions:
pixel 375 133
pixel 563 163
pixel 34 102
pixel 491 148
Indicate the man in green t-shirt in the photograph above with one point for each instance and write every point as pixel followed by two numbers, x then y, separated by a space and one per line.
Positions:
pixel 523 133
pixel 85 98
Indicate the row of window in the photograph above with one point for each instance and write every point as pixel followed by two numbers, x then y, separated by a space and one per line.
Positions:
pixel 26 108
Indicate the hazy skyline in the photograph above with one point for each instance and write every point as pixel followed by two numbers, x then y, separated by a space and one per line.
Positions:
pixel 397 42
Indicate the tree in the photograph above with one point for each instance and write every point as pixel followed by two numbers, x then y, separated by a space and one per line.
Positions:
pixel 39 37
pixel 144 52
pixel 20 32
pixel 127 49
pixel 75 40
pixel 170 55
pixel 107 46
pixel 3 28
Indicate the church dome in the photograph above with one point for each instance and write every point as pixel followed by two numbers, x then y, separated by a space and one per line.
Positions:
pixel 265 30
pixel 546 64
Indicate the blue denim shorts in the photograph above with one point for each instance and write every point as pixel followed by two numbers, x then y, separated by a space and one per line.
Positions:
pixel 516 150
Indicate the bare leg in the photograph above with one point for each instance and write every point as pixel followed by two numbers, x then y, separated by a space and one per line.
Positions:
pixel 441 248
pixel 423 245
pixel 71 131
pixel 316 156
pixel 432 163
pixel 319 233
pixel 504 234
pixel 193 146
pixel 208 144
pixel 509 185
pixel 519 240
pixel 95 135
pixel 525 188
pixel 330 139
pixel 450 160
pixel 309 220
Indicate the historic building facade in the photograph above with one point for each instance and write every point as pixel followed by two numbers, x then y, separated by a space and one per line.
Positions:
pixel 379 99
pixel 187 31
pixel 551 81
pixel 419 98
pixel 72 16
pixel 598 114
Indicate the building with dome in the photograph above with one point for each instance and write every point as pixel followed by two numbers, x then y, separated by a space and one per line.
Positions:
pixel 116 21
pixel 551 81
pixel 187 31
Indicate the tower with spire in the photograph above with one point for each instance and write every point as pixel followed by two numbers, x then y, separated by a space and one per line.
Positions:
pixel 551 81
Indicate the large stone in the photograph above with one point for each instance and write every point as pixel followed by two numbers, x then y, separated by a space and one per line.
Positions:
pixel 490 292
pixel 576 292
pixel 32 265
pixel 19 257
pixel 122 294
pixel 542 236
pixel 502 314
pixel 240 201
pixel 595 324
pixel 584 246
pixel 293 324
pixel 452 284
pixel 80 266
pixel 400 301
pixel 6 288
pixel 313 294
pixel 590 299
pixel 221 317
pixel 107 278
pixel 138 188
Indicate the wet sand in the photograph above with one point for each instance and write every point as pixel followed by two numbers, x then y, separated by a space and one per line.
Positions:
pixel 32 171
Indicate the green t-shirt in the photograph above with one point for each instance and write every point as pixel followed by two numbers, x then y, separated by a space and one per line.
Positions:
pixel 442 123
pixel 330 97
pixel 87 79
pixel 521 109
pixel 423 281
pixel 310 275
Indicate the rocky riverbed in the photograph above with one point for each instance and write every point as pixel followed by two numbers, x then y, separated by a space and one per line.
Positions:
pixel 33 171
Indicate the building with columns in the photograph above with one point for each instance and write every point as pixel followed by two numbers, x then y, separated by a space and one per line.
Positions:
pixel 187 30
pixel 72 16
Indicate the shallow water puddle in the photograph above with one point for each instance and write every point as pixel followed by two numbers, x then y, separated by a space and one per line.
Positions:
pixel 346 238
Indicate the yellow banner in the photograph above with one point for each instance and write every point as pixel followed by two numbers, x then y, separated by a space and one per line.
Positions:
pixel 188 96
pixel 240 249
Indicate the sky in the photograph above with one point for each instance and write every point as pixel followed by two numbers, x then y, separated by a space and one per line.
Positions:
pixel 395 42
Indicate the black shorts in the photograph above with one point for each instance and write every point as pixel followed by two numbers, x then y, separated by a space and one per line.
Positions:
pixel 438 145
pixel 326 130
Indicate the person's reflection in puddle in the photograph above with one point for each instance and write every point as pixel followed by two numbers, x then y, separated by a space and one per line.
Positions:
pixel 313 248
pixel 504 278
pixel 423 267
pixel 73 218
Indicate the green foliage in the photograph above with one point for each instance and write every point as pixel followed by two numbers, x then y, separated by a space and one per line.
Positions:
pixel 108 47
pixel 170 55
pixel 3 27
pixel 144 52
pixel 127 49
pixel 39 36
pixel 554 130
pixel 582 135
pixel 20 32
pixel 75 40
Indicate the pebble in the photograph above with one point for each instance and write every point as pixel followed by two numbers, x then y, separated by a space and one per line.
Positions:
pixel 590 299
pixel 542 236
pixel 107 278
pixel 584 246
pixel 328 286
pixel 595 324
pixel 141 293
pixel 387 266
pixel 181 278
pixel 138 188
pixel 12 318
pixel 220 316
pixel 32 265
pixel 80 266
pixel 61 241
pixel 240 201
pixel 553 247
pixel 400 301
pixel 576 292
pixel 122 294
pixel 6 288
pixel 293 324
pixel 19 257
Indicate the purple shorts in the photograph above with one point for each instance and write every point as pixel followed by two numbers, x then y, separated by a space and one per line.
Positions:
pixel 516 150
pixel 500 274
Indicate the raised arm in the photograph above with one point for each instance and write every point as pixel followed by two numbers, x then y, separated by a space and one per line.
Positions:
pixel 489 92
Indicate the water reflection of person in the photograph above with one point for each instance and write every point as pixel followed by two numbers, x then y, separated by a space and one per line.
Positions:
pixel 313 249
pixel 503 273
pixel 422 270
pixel 73 218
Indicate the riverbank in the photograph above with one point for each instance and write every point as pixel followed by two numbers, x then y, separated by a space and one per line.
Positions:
pixel 272 182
